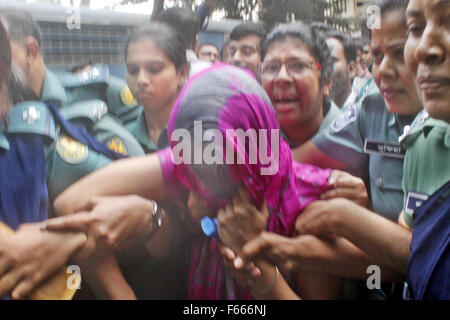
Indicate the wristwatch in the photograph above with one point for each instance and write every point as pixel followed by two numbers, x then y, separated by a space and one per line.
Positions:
pixel 157 216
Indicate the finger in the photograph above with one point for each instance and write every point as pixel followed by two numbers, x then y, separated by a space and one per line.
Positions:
pixel 23 289
pixel 237 202
pixel 228 210
pixel 4 265
pixel 255 246
pixel 341 193
pixel 245 196
pixel 9 281
pixel 78 222
pixel 265 209
pixel 227 253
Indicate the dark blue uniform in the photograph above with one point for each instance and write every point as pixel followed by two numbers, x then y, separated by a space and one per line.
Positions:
pixel 23 188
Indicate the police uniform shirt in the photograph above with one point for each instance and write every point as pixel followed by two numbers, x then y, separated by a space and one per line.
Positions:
pixel 365 138
pixel 427 161
pixel 23 190
pixel 139 130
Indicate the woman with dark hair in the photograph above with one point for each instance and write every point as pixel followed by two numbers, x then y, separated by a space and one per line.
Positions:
pixel 156 64
pixel 218 100
pixel 364 140
pixel 297 72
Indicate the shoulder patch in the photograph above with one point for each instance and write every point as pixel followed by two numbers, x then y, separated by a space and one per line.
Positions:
pixel 70 150
pixel 116 144
pixel 344 119
pixel 127 97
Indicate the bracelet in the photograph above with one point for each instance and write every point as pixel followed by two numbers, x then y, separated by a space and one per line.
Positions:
pixel 274 282
pixel 157 216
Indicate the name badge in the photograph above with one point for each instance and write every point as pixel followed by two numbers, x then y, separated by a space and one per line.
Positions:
pixel 413 201
pixel 388 149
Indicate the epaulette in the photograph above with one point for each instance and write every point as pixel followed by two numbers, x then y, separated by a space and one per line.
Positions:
pixel 117 138
pixel 121 102
pixel 91 110
pixel 94 75
pixel 414 129
pixel 32 117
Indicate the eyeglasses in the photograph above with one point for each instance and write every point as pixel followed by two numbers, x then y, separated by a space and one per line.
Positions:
pixel 295 67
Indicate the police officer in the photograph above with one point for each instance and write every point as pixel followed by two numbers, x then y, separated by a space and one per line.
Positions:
pixel 29 255
pixel 427 170
pixel 364 140
pixel 76 97
pixel 83 98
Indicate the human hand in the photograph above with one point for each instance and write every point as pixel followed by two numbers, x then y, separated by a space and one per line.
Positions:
pixel 241 221
pixel 323 217
pixel 30 256
pixel 246 275
pixel 280 250
pixel 345 185
pixel 111 223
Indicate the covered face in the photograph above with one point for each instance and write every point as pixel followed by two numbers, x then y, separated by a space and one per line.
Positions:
pixel 224 133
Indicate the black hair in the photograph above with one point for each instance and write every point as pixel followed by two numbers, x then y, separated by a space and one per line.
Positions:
pixel 165 37
pixel 388 5
pixel 183 21
pixel 313 39
pixel 246 29
pixel 347 44
pixel 20 24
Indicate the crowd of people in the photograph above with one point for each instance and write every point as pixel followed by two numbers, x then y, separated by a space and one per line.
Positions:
pixel 149 188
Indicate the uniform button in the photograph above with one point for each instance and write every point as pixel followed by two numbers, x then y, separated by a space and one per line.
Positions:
pixel 379 183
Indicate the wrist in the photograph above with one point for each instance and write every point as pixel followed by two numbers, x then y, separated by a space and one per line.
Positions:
pixel 155 220
pixel 341 218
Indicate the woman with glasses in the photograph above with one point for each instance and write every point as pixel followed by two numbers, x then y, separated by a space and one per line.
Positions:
pixel 296 72
pixel 364 139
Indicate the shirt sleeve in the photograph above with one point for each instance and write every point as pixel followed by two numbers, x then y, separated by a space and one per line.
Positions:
pixel 343 139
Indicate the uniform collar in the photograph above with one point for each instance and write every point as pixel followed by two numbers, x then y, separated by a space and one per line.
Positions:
pixel 140 132
pixel 400 120
pixel 4 143
pixel 52 89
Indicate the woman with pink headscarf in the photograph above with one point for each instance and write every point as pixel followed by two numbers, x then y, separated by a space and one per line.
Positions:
pixel 224 139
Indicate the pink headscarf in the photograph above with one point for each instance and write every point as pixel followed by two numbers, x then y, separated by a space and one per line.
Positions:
pixel 225 97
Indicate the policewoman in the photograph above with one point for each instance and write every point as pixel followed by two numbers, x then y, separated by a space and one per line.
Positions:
pixel 364 139
pixel 156 72
pixel 426 179
pixel 157 68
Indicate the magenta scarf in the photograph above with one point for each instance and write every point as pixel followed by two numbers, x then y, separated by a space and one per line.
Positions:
pixel 225 97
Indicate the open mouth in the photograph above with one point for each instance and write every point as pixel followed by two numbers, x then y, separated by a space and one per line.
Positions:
pixel 286 104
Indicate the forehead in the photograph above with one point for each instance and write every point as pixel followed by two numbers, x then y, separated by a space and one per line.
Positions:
pixel 289 46
pixel 393 29
pixel 208 47
pixel 250 40
pixel 428 6
pixel 145 48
